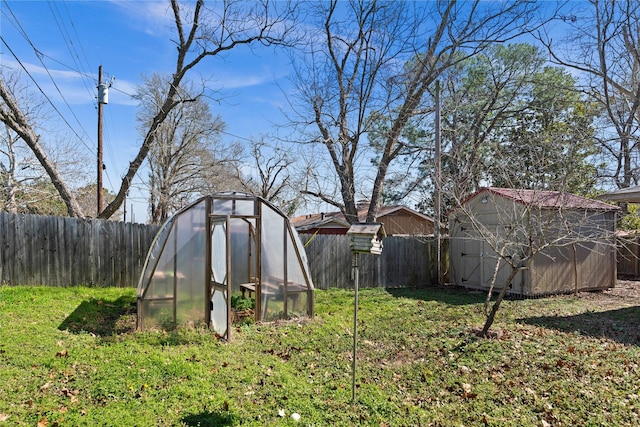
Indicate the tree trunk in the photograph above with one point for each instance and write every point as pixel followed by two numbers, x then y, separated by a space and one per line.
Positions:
pixel 14 118
pixel 496 305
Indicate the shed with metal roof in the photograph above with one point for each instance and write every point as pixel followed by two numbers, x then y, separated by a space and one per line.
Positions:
pixel 576 234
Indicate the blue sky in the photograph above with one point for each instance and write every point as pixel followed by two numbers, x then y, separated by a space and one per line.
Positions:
pixel 62 43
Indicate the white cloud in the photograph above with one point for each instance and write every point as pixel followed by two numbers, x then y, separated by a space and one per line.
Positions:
pixel 152 17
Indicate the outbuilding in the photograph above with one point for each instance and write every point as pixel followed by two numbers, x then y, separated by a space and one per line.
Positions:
pixel 397 221
pixel 577 233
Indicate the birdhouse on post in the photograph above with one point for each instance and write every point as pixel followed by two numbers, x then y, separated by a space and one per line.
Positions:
pixel 366 238
pixel 363 239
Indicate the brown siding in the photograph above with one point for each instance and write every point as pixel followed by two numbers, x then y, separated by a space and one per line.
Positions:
pixel 402 222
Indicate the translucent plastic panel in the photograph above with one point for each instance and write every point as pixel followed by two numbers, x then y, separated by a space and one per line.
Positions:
pixel 273 306
pixel 303 255
pixel 156 309
pixel 273 238
pixel 157 314
pixel 295 276
pixel 273 264
pixel 154 254
pixel 222 207
pixel 297 304
pixel 162 281
pixel 219 312
pixel 272 292
pixel 220 276
pixel 238 207
pixel 191 264
pixel 243 252
pixel 219 252
pixel 245 207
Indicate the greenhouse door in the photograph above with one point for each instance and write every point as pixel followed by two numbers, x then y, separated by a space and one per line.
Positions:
pixel 220 281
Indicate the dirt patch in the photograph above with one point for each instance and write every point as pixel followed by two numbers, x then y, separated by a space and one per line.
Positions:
pixel 626 292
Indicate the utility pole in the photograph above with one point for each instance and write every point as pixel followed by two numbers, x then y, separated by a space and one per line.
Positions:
pixel 101 100
pixel 436 223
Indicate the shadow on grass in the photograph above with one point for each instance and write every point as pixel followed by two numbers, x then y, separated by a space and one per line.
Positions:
pixel 210 419
pixel 452 295
pixel 102 318
pixel 621 325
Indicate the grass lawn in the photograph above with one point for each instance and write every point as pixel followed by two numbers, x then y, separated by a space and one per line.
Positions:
pixel 69 357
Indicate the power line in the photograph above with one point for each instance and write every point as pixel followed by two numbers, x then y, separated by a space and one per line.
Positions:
pixel 73 52
pixel 71 47
pixel 39 55
pixel 45 95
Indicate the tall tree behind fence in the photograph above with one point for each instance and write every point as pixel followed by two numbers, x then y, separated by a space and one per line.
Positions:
pixel 404 262
pixel 61 251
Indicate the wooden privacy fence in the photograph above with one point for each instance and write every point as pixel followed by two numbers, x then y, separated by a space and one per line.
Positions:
pixel 404 262
pixel 62 251
pixel 629 256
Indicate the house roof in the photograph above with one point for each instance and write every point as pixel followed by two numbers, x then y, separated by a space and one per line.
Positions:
pixel 629 195
pixel 338 219
pixel 316 220
pixel 545 198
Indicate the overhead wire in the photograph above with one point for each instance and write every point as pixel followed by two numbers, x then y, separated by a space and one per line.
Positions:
pixel 71 47
pixel 77 58
pixel 39 55
pixel 43 93
pixel 77 53
pixel 75 48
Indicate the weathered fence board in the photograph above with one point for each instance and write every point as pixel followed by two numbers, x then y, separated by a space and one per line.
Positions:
pixel 60 251
pixel 404 262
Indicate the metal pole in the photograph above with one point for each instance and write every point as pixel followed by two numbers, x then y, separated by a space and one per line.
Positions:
pixel 436 228
pixel 355 326
pixel 99 182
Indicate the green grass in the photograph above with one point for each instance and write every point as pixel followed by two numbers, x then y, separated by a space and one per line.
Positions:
pixel 70 357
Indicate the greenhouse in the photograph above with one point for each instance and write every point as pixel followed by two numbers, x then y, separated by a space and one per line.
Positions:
pixel 221 249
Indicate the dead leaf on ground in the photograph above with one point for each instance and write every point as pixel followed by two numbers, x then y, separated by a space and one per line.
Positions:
pixel 466 392
pixel 62 353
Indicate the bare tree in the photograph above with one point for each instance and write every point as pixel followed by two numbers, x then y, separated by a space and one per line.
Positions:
pixel 271 175
pixel 604 46
pixel 209 32
pixel 16 116
pixel 9 165
pixel 178 160
pixel 381 57
pixel 201 32
pixel 88 199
